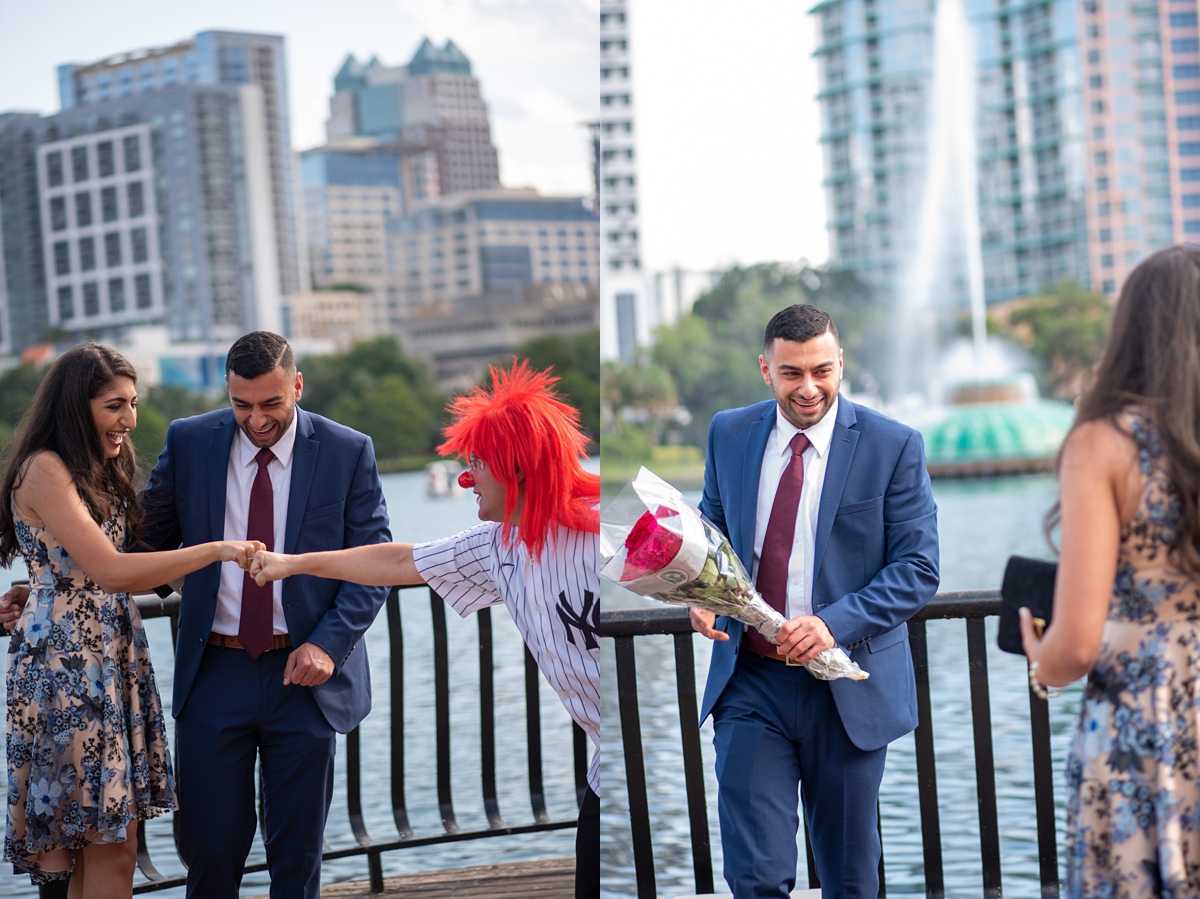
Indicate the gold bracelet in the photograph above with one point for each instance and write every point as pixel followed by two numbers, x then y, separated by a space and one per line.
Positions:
pixel 1036 686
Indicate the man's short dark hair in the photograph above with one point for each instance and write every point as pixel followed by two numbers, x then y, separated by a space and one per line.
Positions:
pixel 257 353
pixel 800 323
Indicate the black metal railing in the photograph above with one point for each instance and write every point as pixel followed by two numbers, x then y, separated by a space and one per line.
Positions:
pixel 391 781
pixel 972 607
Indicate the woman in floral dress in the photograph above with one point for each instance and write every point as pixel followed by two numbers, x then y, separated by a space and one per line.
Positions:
pixel 86 742
pixel 1127 599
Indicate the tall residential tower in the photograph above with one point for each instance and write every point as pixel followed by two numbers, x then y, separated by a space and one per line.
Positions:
pixel 1087 131
pixel 229 58
pixel 434 102
pixel 624 322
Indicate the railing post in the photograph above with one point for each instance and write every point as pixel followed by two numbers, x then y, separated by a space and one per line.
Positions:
pixel 396 670
pixel 931 830
pixel 1043 795
pixel 635 768
pixel 693 763
pixel 441 692
pixel 985 763
pixel 487 720
pixel 533 739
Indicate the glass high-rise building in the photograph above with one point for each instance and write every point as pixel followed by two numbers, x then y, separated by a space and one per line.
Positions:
pixel 161 194
pixel 1084 123
pixel 153 208
pixel 624 305
pixel 1140 86
pixel 432 103
pixel 210 58
pixel 876 69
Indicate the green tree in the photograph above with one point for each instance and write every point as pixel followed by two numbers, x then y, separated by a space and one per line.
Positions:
pixel 376 389
pixel 576 362
pixel 1064 330
pixel 17 387
pixel 175 402
pixel 389 409
pixel 642 401
pixel 150 434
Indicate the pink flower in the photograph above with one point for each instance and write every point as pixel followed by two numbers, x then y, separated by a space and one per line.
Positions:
pixel 650 546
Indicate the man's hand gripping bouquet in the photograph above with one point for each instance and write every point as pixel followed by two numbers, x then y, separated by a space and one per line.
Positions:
pixel 657 544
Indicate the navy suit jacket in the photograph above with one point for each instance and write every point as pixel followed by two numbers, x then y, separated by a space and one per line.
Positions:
pixel 875 561
pixel 184 504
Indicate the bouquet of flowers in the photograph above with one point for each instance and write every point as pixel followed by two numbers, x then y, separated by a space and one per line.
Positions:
pixel 657 544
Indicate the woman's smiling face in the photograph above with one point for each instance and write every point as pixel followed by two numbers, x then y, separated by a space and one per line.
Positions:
pixel 114 410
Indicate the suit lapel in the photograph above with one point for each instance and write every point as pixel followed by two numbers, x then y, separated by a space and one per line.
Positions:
pixel 220 443
pixel 841 456
pixel 751 462
pixel 304 465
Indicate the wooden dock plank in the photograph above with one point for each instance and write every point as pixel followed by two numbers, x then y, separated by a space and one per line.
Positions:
pixel 547 878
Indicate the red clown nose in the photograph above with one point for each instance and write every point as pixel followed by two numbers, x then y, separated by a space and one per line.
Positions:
pixel 466 480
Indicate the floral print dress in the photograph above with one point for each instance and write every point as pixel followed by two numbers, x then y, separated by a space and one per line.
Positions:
pixel 86 739
pixel 1133 810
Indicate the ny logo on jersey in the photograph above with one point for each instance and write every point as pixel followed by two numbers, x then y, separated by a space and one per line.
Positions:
pixel 584 621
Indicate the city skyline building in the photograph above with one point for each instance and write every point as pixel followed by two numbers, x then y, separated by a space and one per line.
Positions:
pixel 1140 86
pixel 488 243
pixel 433 103
pixel 625 308
pixel 151 208
pixel 875 62
pixel 474 275
pixel 211 58
pixel 1086 125
pixel 351 189
pixel 24 312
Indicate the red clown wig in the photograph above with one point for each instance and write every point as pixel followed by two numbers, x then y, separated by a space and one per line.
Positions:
pixel 521 427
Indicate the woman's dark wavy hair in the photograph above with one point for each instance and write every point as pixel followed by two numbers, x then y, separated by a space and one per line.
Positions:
pixel 59 420
pixel 1152 359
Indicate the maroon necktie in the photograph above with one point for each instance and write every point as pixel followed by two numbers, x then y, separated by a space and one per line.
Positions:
pixel 776 552
pixel 256 628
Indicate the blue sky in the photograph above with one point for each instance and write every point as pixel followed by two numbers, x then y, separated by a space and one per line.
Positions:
pixel 536 60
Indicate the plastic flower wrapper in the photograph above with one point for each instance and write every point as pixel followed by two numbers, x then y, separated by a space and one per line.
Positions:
pixel 657 544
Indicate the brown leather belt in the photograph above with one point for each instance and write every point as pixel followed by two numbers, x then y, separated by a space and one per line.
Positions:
pixel 774 655
pixel 280 641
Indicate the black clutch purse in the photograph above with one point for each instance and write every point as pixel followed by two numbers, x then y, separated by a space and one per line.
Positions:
pixel 1030 583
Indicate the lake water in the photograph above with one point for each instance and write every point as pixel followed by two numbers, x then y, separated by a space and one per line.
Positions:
pixel 416 517
pixel 980 523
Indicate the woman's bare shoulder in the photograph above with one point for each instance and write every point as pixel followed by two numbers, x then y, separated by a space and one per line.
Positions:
pixel 44 466
pixel 1099 441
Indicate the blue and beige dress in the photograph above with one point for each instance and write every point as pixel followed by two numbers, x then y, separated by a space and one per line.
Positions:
pixel 1133 810
pixel 86 740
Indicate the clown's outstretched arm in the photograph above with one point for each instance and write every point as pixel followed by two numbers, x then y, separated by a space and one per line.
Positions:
pixel 378 564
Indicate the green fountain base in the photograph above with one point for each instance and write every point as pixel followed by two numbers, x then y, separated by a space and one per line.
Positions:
pixel 994 428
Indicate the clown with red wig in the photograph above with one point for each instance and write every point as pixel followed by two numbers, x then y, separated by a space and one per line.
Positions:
pixel 536 552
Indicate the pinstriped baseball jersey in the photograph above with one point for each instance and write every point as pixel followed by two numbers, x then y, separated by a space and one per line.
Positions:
pixel 554 603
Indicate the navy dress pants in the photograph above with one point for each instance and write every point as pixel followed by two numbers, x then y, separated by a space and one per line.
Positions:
pixel 239 710
pixel 776 729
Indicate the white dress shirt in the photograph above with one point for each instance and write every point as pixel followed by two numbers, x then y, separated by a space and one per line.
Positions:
pixel 775 458
pixel 239 478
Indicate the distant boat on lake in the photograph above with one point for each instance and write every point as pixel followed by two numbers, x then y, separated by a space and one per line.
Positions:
pixel 441 479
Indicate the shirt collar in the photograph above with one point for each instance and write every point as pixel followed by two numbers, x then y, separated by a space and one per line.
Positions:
pixel 245 451
pixel 819 435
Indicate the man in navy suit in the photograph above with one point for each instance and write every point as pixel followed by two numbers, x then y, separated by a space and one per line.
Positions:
pixel 861 559
pixel 278 694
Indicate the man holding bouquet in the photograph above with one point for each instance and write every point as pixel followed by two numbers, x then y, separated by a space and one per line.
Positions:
pixel 829 506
